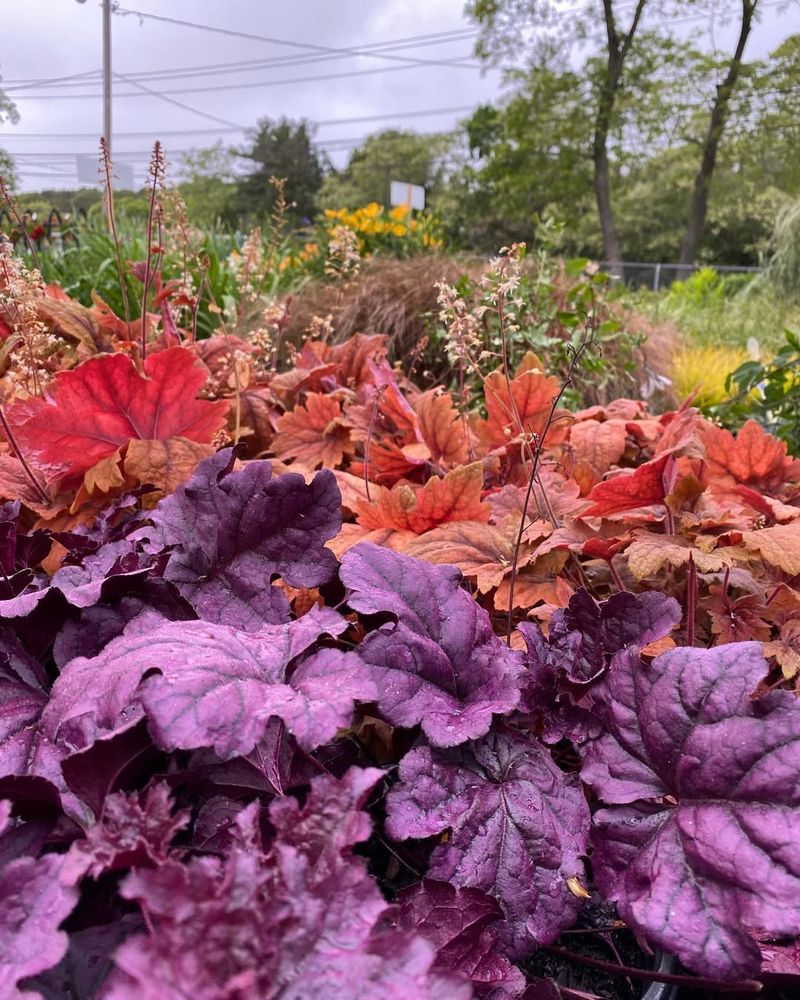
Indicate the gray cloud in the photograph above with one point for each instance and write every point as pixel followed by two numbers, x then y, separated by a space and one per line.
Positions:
pixel 61 38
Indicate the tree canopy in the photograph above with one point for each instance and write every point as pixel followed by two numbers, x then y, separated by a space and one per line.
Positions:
pixel 282 149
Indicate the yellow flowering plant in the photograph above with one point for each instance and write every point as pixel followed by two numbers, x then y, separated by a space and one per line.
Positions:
pixel 397 231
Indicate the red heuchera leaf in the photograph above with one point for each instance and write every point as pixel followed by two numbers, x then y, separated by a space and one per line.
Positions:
pixel 458 922
pixel 641 488
pixel 519 829
pixel 701 783
pixel 32 905
pixel 356 358
pixel 407 507
pixel 104 403
pixel 754 458
pixel 440 665
pixel 313 435
pixel 215 686
pixel 389 462
pixel 302 920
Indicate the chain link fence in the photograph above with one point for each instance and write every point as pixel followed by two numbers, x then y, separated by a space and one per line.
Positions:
pixel 656 276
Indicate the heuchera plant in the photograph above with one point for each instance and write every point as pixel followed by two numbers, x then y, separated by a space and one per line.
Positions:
pixel 206 793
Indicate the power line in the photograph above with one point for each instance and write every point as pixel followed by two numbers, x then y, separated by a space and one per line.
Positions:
pixel 245 66
pixel 393 115
pixel 256 84
pixel 179 104
pixel 308 46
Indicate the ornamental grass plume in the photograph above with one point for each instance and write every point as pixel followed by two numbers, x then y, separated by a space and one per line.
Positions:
pixel 703 369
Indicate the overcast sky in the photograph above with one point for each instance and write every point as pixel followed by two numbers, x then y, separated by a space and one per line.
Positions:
pixel 394 87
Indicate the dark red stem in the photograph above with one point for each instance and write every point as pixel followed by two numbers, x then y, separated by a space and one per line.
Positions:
pixel 615 575
pixel 650 975
pixel 691 602
pixel 17 451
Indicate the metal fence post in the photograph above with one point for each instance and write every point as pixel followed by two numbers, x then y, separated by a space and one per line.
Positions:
pixel 657 278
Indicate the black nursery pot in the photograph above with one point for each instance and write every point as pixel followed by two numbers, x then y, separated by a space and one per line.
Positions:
pixel 662 991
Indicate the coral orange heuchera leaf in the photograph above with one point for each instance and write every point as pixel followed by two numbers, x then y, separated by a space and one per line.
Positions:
pixel 697 842
pixel 104 403
pixel 599 445
pixel 532 394
pixel 753 457
pixel 442 428
pixel 485 551
pixel 313 434
pixel 405 507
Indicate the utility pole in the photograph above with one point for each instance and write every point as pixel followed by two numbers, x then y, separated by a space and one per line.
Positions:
pixel 106 71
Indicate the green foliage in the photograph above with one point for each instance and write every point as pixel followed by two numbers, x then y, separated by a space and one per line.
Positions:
pixel 380 159
pixel 770 392
pixel 658 123
pixel 529 160
pixel 734 311
pixel 280 149
pixel 208 184
pixel 701 289
pixel 8 170
pixel 783 266
pixel 554 306
pixel 566 302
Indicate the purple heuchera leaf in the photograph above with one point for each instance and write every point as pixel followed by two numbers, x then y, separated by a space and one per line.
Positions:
pixel 32 905
pixel 87 633
pixel 81 972
pixel 458 923
pixel 136 828
pixel 211 686
pixel 274 765
pixel 20 552
pixel 440 665
pixel 234 531
pixel 123 761
pixel 582 638
pixel 299 921
pixel 781 960
pixel 24 749
pixel 519 829
pixel 703 784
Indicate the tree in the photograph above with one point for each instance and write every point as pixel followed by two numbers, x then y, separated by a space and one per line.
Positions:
pixel 282 149
pixel 530 158
pixel 698 206
pixel 8 112
pixel 382 158
pixel 504 23
pixel 208 183
pixel 8 170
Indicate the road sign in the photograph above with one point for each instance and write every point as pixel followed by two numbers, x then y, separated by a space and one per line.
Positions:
pixel 402 193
